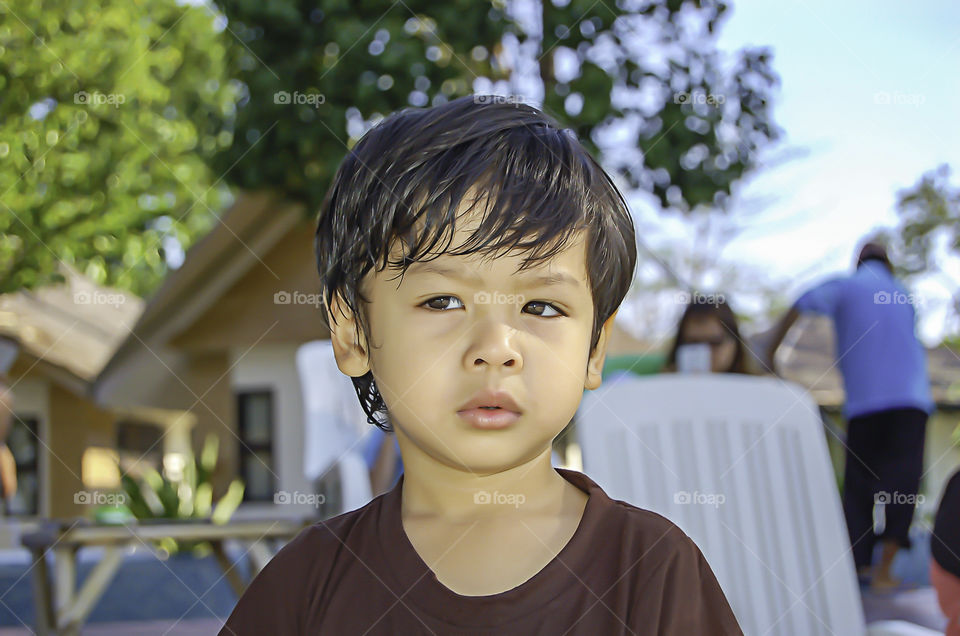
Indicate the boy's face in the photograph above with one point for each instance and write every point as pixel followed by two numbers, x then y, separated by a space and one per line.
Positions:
pixel 437 340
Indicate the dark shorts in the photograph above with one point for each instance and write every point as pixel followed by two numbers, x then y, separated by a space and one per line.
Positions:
pixel 884 463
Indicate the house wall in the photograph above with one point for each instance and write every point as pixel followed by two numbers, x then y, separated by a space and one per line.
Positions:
pixel 941 457
pixel 273 366
pixel 75 423
pixel 211 403
pixel 31 399
pixel 253 312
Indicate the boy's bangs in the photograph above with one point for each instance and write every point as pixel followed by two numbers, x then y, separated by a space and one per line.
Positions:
pixel 531 207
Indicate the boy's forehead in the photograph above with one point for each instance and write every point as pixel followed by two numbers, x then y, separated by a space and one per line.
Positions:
pixel 567 267
pixel 470 214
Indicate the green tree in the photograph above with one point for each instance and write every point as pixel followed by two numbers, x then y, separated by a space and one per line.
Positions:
pixel 929 230
pixel 317 74
pixel 109 113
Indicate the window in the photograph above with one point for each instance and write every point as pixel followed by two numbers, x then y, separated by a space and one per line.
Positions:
pixel 255 430
pixel 139 445
pixel 23 443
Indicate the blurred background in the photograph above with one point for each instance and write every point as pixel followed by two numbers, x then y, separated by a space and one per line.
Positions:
pixel 162 162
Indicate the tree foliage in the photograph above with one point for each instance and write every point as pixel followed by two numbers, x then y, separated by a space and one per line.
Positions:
pixel 122 123
pixel 929 231
pixel 109 114
pixel 693 122
pixel 928 209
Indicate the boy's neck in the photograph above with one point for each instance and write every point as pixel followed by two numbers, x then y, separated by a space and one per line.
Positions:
pixel 435 491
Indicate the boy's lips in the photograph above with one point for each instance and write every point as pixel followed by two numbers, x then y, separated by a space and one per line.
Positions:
pixel 489 398
pixel 489 418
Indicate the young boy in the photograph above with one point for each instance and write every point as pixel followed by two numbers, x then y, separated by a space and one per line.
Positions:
pixel 473 256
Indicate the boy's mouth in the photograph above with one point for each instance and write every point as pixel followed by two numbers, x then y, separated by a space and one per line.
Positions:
pixel 491 400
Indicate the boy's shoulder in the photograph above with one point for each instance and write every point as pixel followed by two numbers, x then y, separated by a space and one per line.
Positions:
pixel 306 564
pixel 622 515
pixel 328 536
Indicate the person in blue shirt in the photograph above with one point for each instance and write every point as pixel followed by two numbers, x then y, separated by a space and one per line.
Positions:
pixel 888 401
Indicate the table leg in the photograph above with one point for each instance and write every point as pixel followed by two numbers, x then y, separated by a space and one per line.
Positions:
pixel 233 577
pixel 64 577
pixel 75 614
pixel 44 618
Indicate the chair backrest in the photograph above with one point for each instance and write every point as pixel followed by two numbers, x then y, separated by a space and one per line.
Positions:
pixel 740 464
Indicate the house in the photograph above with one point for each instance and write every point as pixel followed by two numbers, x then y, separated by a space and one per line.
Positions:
pixel 217 343
pixel 56 339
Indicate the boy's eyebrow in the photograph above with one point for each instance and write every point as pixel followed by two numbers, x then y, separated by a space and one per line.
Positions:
pixel 425 267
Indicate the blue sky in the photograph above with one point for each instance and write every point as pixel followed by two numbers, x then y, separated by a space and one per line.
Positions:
pixel 871 90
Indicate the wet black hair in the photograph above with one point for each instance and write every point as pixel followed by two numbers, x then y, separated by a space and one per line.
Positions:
pixel 403 182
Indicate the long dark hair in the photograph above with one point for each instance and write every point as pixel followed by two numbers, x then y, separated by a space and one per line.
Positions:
pixel 715 305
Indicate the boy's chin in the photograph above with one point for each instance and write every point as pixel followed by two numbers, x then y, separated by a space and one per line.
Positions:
pixel 488 462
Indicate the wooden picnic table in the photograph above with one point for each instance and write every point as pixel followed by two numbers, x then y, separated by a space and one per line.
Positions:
pixel 62 609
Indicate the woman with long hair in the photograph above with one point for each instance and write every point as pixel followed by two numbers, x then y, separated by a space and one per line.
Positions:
pixel 709 320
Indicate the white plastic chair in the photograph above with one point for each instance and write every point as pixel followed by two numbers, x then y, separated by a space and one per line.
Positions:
pixel 334 424
pixel 741 465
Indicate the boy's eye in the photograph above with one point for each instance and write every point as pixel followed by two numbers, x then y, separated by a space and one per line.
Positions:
pixel 441 304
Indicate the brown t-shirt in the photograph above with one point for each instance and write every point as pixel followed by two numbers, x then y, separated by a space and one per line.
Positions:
pixel 626 570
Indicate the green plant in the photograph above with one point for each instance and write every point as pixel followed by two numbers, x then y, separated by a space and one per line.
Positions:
pixel 156 496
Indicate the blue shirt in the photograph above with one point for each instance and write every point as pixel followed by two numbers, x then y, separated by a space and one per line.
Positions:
pixel 883 364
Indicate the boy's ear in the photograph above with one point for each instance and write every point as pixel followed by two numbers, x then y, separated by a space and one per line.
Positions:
pixel 595 364
pixel 346 336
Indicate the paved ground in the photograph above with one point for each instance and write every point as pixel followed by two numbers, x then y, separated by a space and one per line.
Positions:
pixel 916 606
pixel 140 628
pixel 145 589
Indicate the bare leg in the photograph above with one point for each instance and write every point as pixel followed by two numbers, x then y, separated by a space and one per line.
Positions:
pixel 883 579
